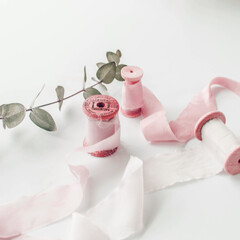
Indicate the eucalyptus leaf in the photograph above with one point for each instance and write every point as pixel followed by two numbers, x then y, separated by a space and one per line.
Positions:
pixel 103 87
pixel 118 52
pixel 85 77
pixel 1 109
pixel 60 95
pixel 118 72
pixel 43 119
pixel 85 74
pixel 100 64
pixel 13 114
pixel 94 79
pixel 107 72
pixel 91 91
pixel 33 102
pixel 113 57
pixel 1 112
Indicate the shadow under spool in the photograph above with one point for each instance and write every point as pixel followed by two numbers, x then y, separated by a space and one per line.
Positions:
pixel 101 112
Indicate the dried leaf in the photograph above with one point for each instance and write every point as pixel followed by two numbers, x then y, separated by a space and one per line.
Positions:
pixel 43 119
pixel 91 91
pixel 94 79
pixel 1 109
pixel 113 57
pixel 118 72
pixel 60 95
pixel 85 77
pixel 102 89
pixel 13 114
pixel 107 72
pixel 33 102
pixel 100 64
pixel 103 86
pixel 118 52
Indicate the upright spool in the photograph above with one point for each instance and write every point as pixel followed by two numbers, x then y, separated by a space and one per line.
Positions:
pixel 211 129
pixel 132 91
pixel 102 116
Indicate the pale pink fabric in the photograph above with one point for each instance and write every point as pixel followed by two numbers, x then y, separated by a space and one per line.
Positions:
pixel 132 96
pixel 119 215
pixel 28 213
pixel 103 135
pixel 155 125
pixel 32 212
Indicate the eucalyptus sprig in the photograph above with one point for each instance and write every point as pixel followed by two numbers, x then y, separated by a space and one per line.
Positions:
pixel 13 114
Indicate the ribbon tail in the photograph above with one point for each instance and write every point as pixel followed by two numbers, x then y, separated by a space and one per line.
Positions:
pixel 31 212
pixel 119 215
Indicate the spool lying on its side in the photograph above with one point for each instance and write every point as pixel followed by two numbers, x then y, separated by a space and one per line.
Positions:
pixel 102 116
pixel 132 94
pixel 211 129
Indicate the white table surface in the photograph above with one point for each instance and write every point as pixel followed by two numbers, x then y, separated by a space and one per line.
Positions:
pixel 181 45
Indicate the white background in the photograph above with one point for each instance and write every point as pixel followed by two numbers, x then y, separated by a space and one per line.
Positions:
pixel 181 45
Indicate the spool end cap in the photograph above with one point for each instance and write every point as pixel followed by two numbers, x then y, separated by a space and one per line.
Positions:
pixel 100 154
pixel 232 164
pixel 132 74
pixel 207 117
pixel 131 114
pixel 103 107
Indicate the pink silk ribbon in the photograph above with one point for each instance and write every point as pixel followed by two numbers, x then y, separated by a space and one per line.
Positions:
pixel 29 213
pixel 155 125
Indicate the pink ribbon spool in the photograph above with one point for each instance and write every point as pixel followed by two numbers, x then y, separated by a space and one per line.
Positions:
pixel 132 100
pixel 232 161
pixel 101 112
